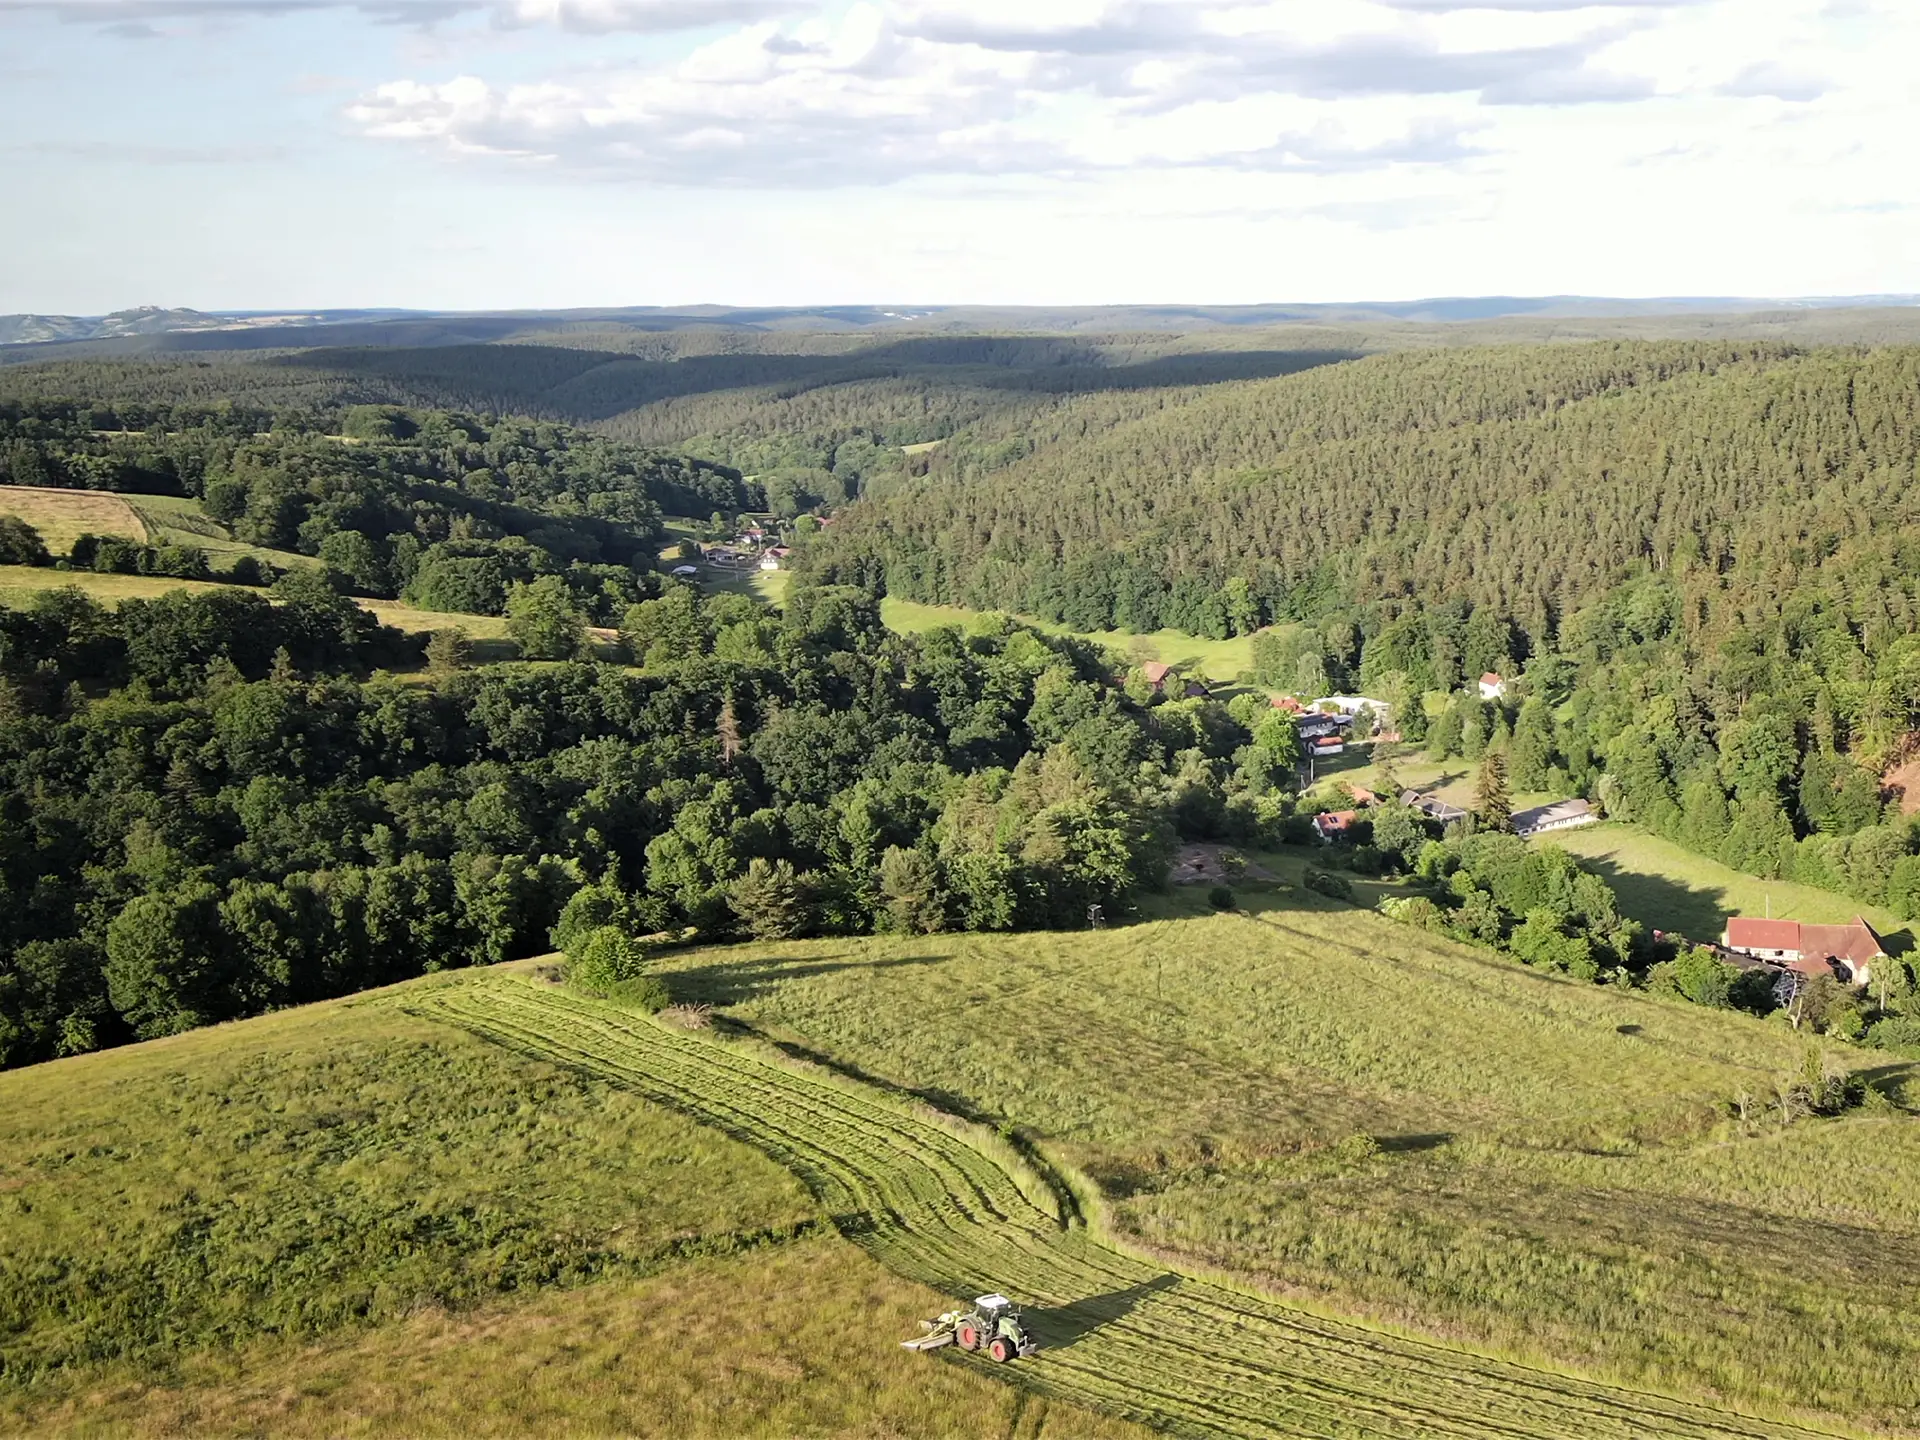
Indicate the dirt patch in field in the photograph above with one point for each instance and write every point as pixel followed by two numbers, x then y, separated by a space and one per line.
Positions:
pixel 1205 865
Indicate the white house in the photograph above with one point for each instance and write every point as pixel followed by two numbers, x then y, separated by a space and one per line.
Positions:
pixel 1564 815
pixel 1492 687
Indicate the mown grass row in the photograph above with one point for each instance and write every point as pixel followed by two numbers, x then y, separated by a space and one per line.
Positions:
pixel 1120 1334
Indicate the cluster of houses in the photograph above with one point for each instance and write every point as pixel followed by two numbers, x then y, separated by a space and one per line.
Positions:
pixel 754 548
pixel 1541 820
pixel 1326 724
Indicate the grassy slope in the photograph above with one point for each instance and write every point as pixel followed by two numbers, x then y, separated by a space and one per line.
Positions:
pixel 351 1219
pixel 19 581
pixel 61 515
pixel 1216 659
pixel 960 1208
pixel 1672 887
pixel 1555 1175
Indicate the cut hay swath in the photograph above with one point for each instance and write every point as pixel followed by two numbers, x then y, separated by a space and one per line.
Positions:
pixel 936 1204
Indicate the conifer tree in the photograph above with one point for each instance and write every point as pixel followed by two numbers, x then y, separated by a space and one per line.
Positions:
pixel 1491 801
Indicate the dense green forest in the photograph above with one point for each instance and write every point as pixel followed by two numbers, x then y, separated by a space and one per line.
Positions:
pixel 447 510
pixel 1700 563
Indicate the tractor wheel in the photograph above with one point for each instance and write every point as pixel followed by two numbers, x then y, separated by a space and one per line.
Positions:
pixel 967 1337
pixel 1002 1349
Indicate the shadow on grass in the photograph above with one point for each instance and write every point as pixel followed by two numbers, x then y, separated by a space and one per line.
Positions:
pixel 1697 912
pixel 1411 1144
pixel 735 982
pixel 1067 1325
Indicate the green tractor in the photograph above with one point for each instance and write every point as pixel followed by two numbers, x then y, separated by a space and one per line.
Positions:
pixel 992 1324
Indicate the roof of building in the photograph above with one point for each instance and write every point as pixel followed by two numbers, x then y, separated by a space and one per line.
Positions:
pixel 1746 933
pixel 1856 943
pixel 1334 820
pixel 1288 704
pixel 1321 742
pixel 1364 796
pixel 1556 813
pixel 1491 679
pixel 1155 671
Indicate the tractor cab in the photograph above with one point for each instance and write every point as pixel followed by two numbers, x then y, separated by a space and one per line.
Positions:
pixel 994 1326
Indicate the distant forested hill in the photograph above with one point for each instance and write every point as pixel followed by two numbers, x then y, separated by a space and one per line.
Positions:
pixel 1529 480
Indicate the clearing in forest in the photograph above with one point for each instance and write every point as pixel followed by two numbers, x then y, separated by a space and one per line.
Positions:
pixel 62 515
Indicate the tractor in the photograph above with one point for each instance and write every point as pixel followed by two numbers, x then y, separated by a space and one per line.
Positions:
pixel 991 1324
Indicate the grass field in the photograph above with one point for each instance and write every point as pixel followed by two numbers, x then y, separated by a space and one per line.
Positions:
pixel 182 521
pixel 1550 1170
pixel 1216 659
pixel 61 515
pixel 962 1211
pixel 350 1219
pixel 19 581
pixel 1670 886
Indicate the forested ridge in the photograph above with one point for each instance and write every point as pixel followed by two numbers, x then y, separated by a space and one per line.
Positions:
pixel 1698 565
pixel 449 510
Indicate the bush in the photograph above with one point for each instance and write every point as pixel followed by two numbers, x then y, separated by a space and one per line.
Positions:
pixel 1334 887
pixel 1899 1033
pixel 1221 898
pixel 605 960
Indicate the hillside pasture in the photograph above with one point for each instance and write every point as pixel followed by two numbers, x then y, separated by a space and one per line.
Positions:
pixel 181 521
pixel 1218 661
pixel 61 516
pixel 349 1219
pixel 954 1204
pixel 1674 888
pixel 1332 1107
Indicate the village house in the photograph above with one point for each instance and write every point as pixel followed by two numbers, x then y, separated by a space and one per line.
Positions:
pixel 774 558
pixel 1289 704
pixel 1562 815
pixel 1324 745
pixel 1334 825
pixel 1492 687
pixel 1845 951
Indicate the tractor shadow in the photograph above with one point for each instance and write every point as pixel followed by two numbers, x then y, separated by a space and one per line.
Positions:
pixel 1066 1325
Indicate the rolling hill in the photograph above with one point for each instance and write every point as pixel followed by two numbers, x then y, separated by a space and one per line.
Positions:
pixel 407 1206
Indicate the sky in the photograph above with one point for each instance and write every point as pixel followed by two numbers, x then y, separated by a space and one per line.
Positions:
pixel 483 154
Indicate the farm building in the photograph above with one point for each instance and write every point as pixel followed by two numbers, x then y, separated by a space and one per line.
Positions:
pixel 1324 745
pixel 1432 807
pixel 1562 815
pixel 1492 687
pixel 1847 951
pixel 774 558
pixel 685 572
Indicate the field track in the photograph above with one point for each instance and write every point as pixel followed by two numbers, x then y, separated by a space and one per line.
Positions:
pixel 1121 1334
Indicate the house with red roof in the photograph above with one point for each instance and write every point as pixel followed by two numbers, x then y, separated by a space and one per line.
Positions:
pixel 1492 687
pixel 1289 704
pixel 1845 951
pixel 1334 825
